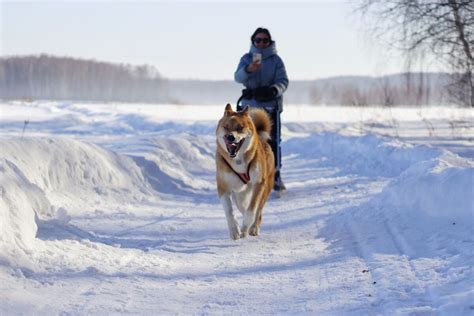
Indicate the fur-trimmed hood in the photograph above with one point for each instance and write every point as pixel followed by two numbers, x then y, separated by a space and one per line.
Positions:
pixel 266 52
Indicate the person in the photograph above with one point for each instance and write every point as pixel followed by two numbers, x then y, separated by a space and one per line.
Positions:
pixel 263 74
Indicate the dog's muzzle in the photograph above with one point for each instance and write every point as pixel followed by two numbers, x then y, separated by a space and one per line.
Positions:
pixel 232 144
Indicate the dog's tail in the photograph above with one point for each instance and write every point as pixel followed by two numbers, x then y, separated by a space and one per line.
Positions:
pixel 262 123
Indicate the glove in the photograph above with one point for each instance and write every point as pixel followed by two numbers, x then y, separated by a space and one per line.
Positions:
pixel 265 94
pixel 247 94
pixel 274 91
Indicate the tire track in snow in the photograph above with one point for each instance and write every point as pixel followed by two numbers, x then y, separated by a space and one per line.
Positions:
pixel 396 281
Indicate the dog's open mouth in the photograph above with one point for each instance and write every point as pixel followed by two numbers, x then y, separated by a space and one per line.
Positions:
pixel 233 147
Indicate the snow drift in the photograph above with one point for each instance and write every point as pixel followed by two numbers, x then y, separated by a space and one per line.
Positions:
pixel 76 171
pixel 44 178
pixel 364 155
pixel 440 188
pixel 20 202
pixel 49 178
pixel 426 181
pixel 178 164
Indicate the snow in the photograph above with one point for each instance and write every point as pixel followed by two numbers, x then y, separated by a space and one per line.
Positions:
pixel 20 201
pixel 112 208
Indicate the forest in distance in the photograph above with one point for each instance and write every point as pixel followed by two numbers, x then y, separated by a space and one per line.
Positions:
pixel 47 77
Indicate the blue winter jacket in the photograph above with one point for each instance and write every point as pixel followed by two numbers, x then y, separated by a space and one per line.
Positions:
pixel 272 73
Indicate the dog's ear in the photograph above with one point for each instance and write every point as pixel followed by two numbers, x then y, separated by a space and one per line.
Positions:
pixel 245 110
pixel 228 109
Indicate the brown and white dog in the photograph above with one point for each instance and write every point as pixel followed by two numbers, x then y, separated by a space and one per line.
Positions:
pixel 245 167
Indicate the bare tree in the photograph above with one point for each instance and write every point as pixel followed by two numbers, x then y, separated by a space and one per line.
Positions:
pixel 444 28
pixel 387 92
pixel 352 96
pixel 315 95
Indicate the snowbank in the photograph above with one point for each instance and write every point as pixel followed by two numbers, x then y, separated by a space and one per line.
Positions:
pixel 440 187
pixel 178 163
pixel 38 177
pixel 20 201
pixel 429 181
pixel 366 155
pixel 75 170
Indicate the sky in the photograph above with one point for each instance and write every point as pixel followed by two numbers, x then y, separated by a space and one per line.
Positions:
pixel 198 39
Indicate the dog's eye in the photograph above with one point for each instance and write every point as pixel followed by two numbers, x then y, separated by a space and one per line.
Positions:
pixel 239 128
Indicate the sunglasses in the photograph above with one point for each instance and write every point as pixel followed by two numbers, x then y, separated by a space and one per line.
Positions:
pixel 263 40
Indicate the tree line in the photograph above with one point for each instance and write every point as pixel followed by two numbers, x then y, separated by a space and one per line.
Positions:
pixel 406 89
pixel 65 78
pixel 45 77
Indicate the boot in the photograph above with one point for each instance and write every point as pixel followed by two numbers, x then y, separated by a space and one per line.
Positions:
pixel 278 184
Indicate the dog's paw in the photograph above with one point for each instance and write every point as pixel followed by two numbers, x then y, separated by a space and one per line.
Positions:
pixel 243 234
pixel 254 231
pixel 235 234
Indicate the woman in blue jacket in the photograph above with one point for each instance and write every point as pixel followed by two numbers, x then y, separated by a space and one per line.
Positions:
pixel 263 74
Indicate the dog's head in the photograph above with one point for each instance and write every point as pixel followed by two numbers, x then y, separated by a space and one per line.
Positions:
pixel 234 131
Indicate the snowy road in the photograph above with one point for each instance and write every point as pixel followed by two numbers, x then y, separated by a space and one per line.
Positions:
pixel 370 225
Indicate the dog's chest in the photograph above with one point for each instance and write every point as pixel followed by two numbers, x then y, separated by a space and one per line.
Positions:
pixel 239 166
pixel 245 180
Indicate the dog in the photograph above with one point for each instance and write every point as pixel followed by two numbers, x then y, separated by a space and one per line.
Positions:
pixel 245 167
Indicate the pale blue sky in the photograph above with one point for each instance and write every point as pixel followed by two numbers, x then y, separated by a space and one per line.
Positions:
pixel 196 39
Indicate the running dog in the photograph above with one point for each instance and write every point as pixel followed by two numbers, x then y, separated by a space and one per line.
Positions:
pixel 245 167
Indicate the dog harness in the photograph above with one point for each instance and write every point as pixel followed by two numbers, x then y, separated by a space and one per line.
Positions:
pixel 245 177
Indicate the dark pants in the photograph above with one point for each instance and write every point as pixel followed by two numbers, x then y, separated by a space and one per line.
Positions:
pixel 275 136
pixel 274 112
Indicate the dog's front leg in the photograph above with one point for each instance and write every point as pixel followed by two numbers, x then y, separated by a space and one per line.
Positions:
pixel 249 219
pixel 252 215
pixel 234 230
